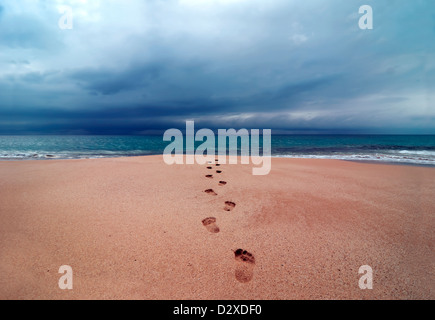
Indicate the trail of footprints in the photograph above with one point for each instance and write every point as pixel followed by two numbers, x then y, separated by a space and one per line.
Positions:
pixel 245 261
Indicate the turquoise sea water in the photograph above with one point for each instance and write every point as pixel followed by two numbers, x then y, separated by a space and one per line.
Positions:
pixel 411 149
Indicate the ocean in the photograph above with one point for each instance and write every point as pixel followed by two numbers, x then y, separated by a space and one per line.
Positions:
pixel 405 149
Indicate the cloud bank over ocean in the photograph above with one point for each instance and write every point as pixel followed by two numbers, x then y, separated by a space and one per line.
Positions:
pixel 131 67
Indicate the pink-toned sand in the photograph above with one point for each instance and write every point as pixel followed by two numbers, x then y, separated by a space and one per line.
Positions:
pixel 131 228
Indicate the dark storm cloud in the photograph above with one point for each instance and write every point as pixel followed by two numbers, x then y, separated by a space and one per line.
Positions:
pixel 278 64
pixel 112 82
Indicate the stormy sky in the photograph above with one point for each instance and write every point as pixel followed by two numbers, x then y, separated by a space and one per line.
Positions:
pixel 138 67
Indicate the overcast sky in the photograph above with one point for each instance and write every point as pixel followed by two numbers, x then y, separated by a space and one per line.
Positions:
pixel 132 67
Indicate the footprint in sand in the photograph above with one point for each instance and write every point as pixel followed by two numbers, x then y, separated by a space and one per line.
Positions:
pixel 211 191
pixel 229 205
pixel 210 176
pixel 209 168
pixel 210 224
pixel 222 183
pixel 245 263
pixel 218 171
pixel 218 165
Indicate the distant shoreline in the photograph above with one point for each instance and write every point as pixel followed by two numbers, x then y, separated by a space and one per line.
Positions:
pixel 408 150
pixel 396 163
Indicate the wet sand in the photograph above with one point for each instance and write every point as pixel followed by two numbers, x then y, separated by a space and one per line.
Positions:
pixel 136 228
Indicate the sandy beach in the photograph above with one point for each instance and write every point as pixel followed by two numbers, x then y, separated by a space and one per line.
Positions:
pixel 136 228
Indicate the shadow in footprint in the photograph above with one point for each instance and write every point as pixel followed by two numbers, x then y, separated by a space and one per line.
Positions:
pixel 210 225
pixel 210 176
pixel 211 191
pixel 209 168
pixel 245 263
pixel 229 205
pixel 218 165
pixel 222 183
pixel 218 171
